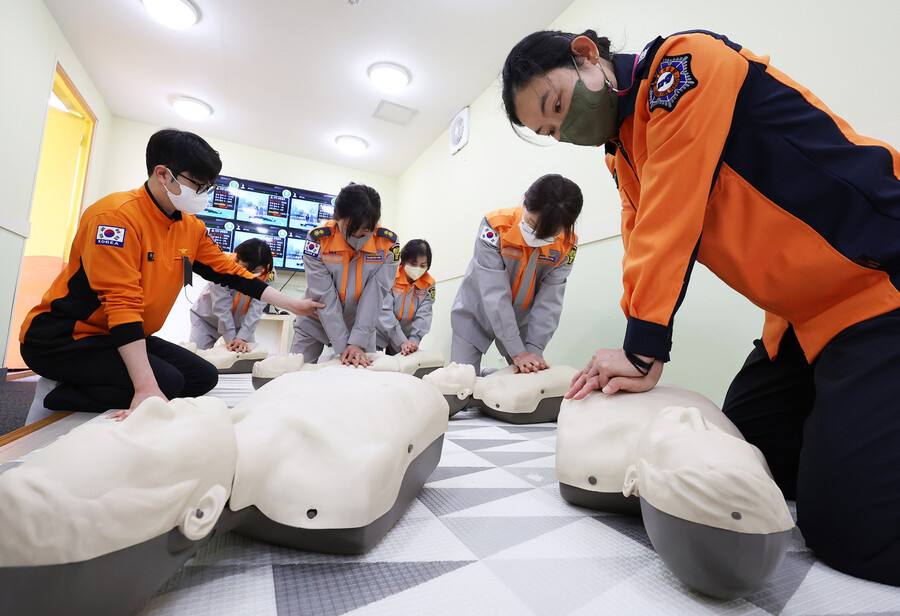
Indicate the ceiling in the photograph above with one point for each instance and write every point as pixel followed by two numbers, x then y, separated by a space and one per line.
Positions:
pixel 290 76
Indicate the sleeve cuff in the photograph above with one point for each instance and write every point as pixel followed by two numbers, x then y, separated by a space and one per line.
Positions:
pixel 127 332
pixel 531 348
pixel 648 339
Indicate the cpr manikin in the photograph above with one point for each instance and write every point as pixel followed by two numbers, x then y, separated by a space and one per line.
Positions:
pixel 710 506
pixel 713 514
pixel 532 397
pixel 79 515
pixel 232 362
pixel 344 468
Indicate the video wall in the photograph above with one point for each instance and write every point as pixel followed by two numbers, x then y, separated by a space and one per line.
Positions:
pixel 281 216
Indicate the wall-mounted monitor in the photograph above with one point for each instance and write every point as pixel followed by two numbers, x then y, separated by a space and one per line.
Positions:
pixel 281 216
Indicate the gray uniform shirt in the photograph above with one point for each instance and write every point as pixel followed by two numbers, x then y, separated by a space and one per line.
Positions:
pixel 352 321
pixel 214 306
pixel 391 331
pixel 484 309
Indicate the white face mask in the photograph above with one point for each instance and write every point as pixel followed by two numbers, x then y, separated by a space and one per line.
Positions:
pixel 530 238
pixel 189 201
pixel 414 272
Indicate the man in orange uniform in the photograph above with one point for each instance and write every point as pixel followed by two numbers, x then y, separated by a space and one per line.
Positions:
pixel 132 253
pixel 723 159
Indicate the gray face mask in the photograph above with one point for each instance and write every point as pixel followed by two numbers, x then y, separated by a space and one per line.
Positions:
pixel 358 242
pixel 592 117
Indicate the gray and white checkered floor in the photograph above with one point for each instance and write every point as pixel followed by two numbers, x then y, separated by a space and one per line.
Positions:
pixel 490 534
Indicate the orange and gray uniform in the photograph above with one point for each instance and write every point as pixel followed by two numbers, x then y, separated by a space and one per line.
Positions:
pixel 220 311
pixel 351 283
pixel 723 159
pixel 511 292
pixel 127 264
pixel 407 311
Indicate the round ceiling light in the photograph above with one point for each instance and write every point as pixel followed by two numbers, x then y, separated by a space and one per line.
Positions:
pixel 176 14
pixel 191 108
pixel 389 77
pixel 350 145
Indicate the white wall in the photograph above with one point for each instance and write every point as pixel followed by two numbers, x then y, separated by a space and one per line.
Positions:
pixel 844 55
pixel 30 46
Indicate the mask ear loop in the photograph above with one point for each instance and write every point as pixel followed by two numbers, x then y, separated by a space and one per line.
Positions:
pixel 606 78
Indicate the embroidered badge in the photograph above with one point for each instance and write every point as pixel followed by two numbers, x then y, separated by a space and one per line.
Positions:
pixel 570 259
pixel 551 257
pixel 382 232
pixel 110 236
pixel 312 249
pixel 373 257
pixel 490 236
pixel 431 293
pixel 319 232
pixel 673 78
pixel 420 293
pixel 395 250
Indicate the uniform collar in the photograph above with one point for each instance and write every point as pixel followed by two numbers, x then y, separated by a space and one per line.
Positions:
pixel 624 66
pixel 176 215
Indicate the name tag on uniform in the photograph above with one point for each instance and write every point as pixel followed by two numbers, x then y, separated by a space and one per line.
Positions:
pixel 332 257
pixel 512 251
pixel 420 293
pixel 373 257
pixel 552 257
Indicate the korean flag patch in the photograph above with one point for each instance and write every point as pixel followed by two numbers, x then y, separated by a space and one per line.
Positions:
pixel 673 78
pixel 312 249
pixel 110 236
pixel 490 236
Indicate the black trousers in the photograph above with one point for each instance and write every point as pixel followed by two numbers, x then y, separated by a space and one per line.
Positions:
pixel 94 378
pixel 830 432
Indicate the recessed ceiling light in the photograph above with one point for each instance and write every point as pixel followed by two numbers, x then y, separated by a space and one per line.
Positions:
pixel 350 145
pixel 177 14
pixel 191 109
pixel 389 77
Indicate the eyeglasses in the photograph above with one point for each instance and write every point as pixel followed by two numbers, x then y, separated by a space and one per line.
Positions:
pixel 200 188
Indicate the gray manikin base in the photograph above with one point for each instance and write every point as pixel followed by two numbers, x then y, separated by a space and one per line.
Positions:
pixel 721 563
pixel 240 366
pixel 252 523
pixel 546 410
pixel 123 581
pixel 609 502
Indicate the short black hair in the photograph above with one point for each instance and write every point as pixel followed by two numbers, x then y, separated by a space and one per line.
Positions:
pixel 182 151
pixel 557 201
pixel 360 205
pixel 255 253
pixel 536 55
pixel 415 249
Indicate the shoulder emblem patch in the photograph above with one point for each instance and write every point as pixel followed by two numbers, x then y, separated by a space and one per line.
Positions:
pixel 673 78
pixel 319 232
pixel 382 232
pixel 570 259
pixel 110 236
pixel 431 293
pixel 395 250
pixel 489 236
pixel 312 249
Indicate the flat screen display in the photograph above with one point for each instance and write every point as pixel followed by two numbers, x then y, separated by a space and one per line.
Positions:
pixel 281 216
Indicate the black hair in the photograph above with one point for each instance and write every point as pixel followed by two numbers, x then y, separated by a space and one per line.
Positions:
pixel 537 54
pixel 360 205
pixel 415 249
pixel 182 151
pixel 557 201
pixel 255 253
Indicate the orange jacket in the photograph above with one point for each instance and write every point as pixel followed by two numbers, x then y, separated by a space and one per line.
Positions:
pixel 125 269
pixel 723 159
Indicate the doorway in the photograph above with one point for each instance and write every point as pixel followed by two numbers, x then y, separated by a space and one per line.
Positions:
pixel 58 197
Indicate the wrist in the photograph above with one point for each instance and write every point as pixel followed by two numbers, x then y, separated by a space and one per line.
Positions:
pixel 642 363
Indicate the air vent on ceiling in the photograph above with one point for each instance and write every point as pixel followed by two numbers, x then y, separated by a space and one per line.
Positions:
pixel 394 113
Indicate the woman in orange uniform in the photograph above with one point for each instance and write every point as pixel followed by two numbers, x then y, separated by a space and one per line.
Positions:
pixel 721 158
pixel 406 315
